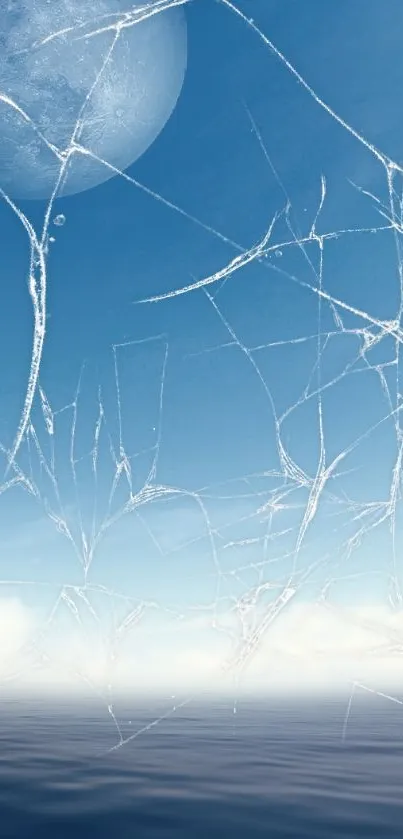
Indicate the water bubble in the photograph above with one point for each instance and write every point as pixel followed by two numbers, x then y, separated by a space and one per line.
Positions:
pixel 59 220
pixel 278 253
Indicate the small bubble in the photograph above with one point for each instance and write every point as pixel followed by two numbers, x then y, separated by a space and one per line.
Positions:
pixel 278 253
pixel 52 239
pixel 59 220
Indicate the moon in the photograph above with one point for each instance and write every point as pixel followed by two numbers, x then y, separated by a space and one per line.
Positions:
pixel 100 75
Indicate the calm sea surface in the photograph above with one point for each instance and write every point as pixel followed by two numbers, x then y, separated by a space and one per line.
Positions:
pixel 270 770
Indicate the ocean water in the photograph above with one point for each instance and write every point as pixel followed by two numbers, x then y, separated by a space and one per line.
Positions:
pixel 271 770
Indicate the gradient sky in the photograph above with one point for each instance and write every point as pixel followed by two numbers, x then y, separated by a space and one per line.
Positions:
pixel 196 391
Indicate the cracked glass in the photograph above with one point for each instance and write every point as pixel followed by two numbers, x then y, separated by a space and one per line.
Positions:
pixel 200 429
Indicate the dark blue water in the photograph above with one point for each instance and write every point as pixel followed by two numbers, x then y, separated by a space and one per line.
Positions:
pixel 272 770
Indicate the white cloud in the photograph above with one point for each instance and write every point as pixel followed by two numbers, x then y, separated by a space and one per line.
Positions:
pixel 308 647
pixel 16 628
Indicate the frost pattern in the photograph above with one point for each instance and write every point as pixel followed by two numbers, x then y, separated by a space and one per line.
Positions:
pixel 284 503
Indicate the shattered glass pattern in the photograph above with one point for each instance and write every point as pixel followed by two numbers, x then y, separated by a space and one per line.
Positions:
pixel 308 402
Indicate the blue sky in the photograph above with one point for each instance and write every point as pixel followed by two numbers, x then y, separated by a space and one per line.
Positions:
pixel 244 140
